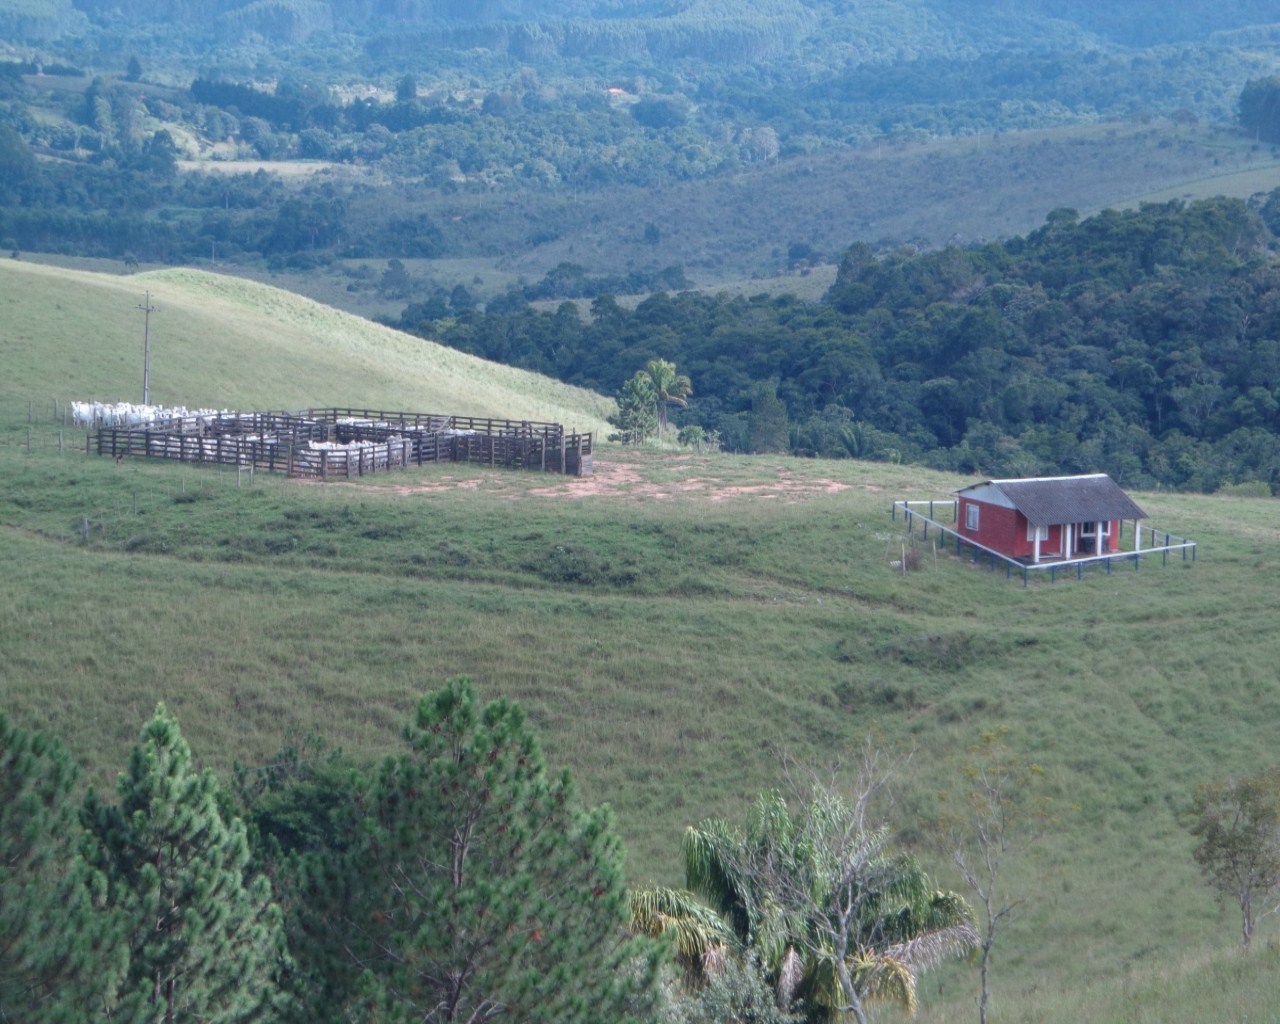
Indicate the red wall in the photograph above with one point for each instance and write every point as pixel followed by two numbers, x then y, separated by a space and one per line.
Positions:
pixel 998 527
pixel 1005 530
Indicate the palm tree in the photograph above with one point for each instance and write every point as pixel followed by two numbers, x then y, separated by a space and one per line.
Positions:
pixel 671 388
pixel 834 917
pixel 699 937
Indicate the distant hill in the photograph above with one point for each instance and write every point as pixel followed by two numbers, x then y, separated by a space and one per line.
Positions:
pixel 39 19
pixel 654 29
pixel 75 335
pixel 1148 22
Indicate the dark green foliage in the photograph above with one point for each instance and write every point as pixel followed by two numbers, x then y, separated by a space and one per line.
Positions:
pixel 17 163
pixel 1237 823
pixel 660 112
pixel 1139 343
pixel 736 991
pixel 579 565
pixel 294 804
pixel 61 957
pixel 766 422
pixel 637 415
pixel 205 940
pixel 1260 108
pixel 478 886
pixel 833 919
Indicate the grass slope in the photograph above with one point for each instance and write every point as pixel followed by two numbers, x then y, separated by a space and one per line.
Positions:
pixel 934 193
pixel 669 625
pixel 224 342
pixel 733 231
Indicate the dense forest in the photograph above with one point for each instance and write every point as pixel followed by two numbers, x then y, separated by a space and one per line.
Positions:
pixel 1141 343
pixel 508 92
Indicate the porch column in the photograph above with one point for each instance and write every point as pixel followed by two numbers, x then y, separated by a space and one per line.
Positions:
pixel 1137 535
pixel 1097 547
pixel 1036 556
pixel 1068 540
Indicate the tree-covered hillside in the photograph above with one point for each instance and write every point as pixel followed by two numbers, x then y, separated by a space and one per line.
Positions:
pixel 1141 343
pixel 527 96
pixel 1142 22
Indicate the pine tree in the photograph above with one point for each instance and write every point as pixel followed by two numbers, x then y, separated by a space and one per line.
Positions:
pixel 60 957
pixel 205 942
pixel 488 892
pixel 306 815
pixel 637 415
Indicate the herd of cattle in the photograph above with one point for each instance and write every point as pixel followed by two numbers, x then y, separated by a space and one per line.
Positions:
pixel 89 415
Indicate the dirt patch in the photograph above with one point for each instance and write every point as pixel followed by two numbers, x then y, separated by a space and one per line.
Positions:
pixel 783 488
pixel 440 486
pixel 607 478
pixel 621 479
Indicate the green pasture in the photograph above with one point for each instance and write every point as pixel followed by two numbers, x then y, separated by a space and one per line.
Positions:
pixel 222 342
pixel 671 625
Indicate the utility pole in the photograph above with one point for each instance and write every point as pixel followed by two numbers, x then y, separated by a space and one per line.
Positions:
pixel 147 309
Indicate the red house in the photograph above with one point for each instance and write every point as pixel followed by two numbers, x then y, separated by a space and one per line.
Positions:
pixel 1047 518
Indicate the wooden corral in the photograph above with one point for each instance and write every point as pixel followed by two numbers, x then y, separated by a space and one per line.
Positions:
pixel 344 443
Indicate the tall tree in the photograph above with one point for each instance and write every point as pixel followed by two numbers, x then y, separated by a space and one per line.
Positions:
pixel 637 415
pixel 18 166
pixel 996 817
pixel 61 958
pixel 305 812
pixel 1237 822
pixel 205 942
pixel 834 917
pixel 670 388
pixel 1259 108
pixel 768 428
pixel 486 892
pixel 406 89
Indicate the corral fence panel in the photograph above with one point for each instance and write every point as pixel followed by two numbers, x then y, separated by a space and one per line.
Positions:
pixel 327 443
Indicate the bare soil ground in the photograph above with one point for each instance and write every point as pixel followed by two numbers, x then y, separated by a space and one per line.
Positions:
pixel 619 477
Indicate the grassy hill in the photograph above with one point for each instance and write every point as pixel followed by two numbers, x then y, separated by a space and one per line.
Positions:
pixel 223 342
pixel 670 624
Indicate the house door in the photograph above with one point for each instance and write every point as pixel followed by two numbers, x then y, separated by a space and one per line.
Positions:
pixel 1087 537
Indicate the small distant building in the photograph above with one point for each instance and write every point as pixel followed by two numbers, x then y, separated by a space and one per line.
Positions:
pixel 1043 519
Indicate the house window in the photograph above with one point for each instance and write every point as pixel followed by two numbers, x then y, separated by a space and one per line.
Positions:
pixel 1034 533
pixel 1091 529
pixel 971 518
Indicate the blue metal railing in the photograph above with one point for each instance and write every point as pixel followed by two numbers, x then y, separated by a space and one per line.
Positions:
pixel 912 513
